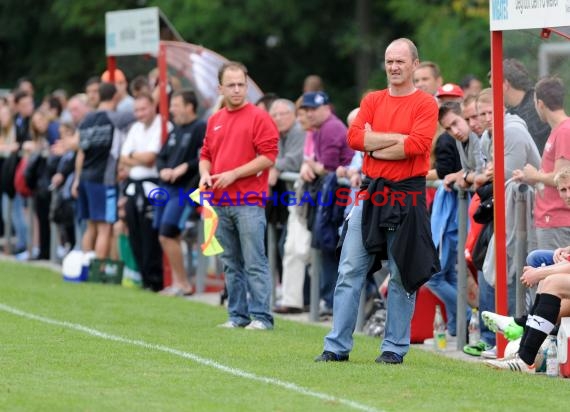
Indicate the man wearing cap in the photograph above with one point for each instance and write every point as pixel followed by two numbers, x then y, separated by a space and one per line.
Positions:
pixel 126 102
pixel 449 92
pixel 331 151
pixel 394 127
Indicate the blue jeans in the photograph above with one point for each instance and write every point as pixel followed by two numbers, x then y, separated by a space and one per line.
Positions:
pixel 241 232
pixel 328 276
pixel 354 261
pixel 19 221
pixel 487 303
pixel 444 284
pixel 540 257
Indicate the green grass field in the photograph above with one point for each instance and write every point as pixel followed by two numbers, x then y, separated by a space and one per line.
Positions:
pixel 90 347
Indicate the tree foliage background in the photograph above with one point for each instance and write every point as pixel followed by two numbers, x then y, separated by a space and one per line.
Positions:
pixel 60 43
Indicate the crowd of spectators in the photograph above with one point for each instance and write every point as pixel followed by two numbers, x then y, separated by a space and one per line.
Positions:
pixel 79 171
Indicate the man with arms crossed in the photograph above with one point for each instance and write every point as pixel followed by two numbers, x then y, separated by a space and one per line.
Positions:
pixel 394 127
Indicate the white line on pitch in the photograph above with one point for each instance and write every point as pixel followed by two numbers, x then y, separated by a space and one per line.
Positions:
pixel 198 359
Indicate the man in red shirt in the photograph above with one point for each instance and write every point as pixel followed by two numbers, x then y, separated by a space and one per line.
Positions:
pixel 394 127
pixel 239 148
pixel 551 216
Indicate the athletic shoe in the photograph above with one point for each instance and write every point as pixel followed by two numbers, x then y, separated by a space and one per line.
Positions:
pixel 390 358
pixel 502 324
pixel 477 349
pixel 328 356
pixel 230 324
pixel 258 325
pixel 490 353
pixel 515 364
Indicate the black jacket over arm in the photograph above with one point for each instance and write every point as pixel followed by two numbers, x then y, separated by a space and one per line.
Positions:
pixel 413 249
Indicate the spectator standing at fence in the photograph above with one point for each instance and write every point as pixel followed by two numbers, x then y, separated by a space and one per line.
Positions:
pixel 445 225
pixel 297 248
pixel 289 159
pixel 177 165
pixel 395 127
pixel 24 104
pixel 138 154
pixel 95 180
pixel 519 149
pixel 551 216
pixel 331 151
pixel 40 168
pixel 519 99
pixel 239 148
pixel 9 148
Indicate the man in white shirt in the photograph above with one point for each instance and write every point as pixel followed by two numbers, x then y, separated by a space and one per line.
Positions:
pixel 139 154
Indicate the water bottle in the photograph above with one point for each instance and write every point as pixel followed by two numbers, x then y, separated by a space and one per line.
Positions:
pixel 552 366
pixel 439 338
pixel 474 329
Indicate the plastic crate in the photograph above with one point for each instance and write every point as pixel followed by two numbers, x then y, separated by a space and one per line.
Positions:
pixel 106 271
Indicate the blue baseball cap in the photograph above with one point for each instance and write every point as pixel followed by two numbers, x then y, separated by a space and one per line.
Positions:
pixel 314 99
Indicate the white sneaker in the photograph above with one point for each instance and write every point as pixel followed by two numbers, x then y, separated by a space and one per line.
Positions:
pixel 514 364
pixel 23 256
pixel 230 324
pixel 257 325
pixel 490 353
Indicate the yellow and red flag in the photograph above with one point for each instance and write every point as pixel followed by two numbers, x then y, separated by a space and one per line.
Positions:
pixel 211 246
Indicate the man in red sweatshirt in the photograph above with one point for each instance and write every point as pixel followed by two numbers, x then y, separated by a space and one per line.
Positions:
pixel 239 148
pixel 394 128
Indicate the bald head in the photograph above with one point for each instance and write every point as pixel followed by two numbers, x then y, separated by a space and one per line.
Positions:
pixel 400 60
pixel 411 47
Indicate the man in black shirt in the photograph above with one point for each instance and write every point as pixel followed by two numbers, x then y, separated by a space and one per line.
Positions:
pixel 177 165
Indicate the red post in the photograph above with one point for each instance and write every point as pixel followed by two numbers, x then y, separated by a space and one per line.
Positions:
pixel 162 84
pixel 111 66
pixel 163 110
pixel 501 304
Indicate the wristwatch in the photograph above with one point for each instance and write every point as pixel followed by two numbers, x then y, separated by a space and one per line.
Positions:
pixel 465 177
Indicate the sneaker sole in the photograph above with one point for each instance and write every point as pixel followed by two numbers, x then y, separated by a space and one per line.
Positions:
pixel 490 323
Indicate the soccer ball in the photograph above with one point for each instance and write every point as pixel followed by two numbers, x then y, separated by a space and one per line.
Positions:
pixel 540 360
pixel 512 348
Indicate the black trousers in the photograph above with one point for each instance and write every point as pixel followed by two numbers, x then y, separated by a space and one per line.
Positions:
pixel 42 199
pixel 143 239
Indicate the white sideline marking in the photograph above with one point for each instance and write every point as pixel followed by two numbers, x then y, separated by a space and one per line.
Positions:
pixel 187 355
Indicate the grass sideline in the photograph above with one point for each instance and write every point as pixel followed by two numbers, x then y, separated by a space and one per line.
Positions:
pixel 52 367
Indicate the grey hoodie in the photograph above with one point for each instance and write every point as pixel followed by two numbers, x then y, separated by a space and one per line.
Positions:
pixel 520 149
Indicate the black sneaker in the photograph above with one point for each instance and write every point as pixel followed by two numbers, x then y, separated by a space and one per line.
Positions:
pixel 327 356
pixel 390 358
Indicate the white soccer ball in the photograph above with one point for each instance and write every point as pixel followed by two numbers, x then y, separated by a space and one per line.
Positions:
pixel 512 348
